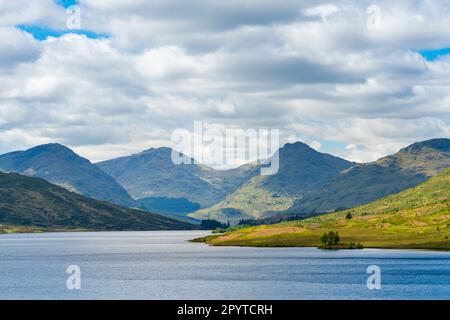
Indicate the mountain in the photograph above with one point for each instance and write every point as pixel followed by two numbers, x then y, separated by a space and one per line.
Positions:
pixel 36 203
pixel 364 183
pixel 417 218
pixel 152 174
pixel 63 167
pixel 301 170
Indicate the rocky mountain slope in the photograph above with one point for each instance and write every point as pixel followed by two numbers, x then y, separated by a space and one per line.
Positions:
pixel 63 167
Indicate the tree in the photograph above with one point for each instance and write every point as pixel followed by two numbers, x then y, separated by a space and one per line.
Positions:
pixel 336 238
pixel 330 238
pixel 324 238
pixel 348 216
pixel 212 224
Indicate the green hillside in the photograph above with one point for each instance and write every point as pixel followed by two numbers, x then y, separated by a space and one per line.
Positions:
pixel 365 183
pixel 302 170
pixel 28 204
pixel 415 218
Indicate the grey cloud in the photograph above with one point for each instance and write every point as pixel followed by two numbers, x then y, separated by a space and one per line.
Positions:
pixel 17 47
pixel 288 70
pixel 238 64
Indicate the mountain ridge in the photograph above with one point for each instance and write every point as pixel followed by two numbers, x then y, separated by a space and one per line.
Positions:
pixel 308 182
pixel 151 173
pixel 60 165
pixel 36 203
pixel 364 183
pixel 301 169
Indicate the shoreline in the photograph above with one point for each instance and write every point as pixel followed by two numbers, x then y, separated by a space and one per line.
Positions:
pixel 411 247
pixel 37 230
pixel 204 240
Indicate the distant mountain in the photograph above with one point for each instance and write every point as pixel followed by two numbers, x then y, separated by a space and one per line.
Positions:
pixel 302 170
pixel 367 182
pixel 176 208
pixel 417 218
pixel 63 167
pixel 152 174
pixel 34 202
pixel 169 205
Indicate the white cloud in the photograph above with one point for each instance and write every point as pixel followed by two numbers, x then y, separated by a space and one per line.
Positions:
pixel 264 64
pixel 323 11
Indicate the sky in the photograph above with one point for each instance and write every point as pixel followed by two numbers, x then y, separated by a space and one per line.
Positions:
pixel 358 79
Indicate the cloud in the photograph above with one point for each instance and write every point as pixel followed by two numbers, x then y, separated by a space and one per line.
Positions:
pixel 46 12
pixel 322 11
pixel 313 70
pixel 16 47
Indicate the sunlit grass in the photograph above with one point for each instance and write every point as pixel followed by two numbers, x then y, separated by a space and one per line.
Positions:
pixel 416 218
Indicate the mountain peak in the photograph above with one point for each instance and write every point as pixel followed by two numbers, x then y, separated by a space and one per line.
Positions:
pixel 296 148
pixel 160 150
pixel 60 165
pixel 297 145
pixel 50 147
pixel 440 144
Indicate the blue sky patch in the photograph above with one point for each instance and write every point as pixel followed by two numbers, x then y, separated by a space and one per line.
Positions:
pixel 432 55
pixel 42 32
pixel 66 3
pixel 332 145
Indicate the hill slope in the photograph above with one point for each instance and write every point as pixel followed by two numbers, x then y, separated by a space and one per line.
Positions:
pixel 415 218
pixel 152 174
pixel 63 167
pixel 34 202
pixel 367 182
pixel 302 170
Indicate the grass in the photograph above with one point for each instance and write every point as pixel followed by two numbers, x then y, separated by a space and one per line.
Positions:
pixel 418 218
pixel 10 229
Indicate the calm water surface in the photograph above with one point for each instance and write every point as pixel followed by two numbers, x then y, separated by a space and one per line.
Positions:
pixel 163 265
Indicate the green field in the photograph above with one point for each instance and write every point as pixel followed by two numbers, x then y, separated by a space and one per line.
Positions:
pixel 418 218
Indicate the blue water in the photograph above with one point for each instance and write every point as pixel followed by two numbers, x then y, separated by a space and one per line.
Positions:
pixel 163 265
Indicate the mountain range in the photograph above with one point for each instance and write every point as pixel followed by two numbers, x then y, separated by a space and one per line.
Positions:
pixel 301 170
pixel 152 174
pixel 364 183
pixel 308 182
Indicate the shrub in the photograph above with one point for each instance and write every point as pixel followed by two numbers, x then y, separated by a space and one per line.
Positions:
pixel 330 238
pixel 358 245
pixel 324 238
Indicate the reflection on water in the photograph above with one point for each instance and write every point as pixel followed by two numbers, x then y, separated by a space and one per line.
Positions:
pixel 163 265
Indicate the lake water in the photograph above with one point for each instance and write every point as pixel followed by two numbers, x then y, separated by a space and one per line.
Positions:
pixel 163 265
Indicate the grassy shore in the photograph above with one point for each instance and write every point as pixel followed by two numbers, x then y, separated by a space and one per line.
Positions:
pixel 418 218
pixel 10 229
